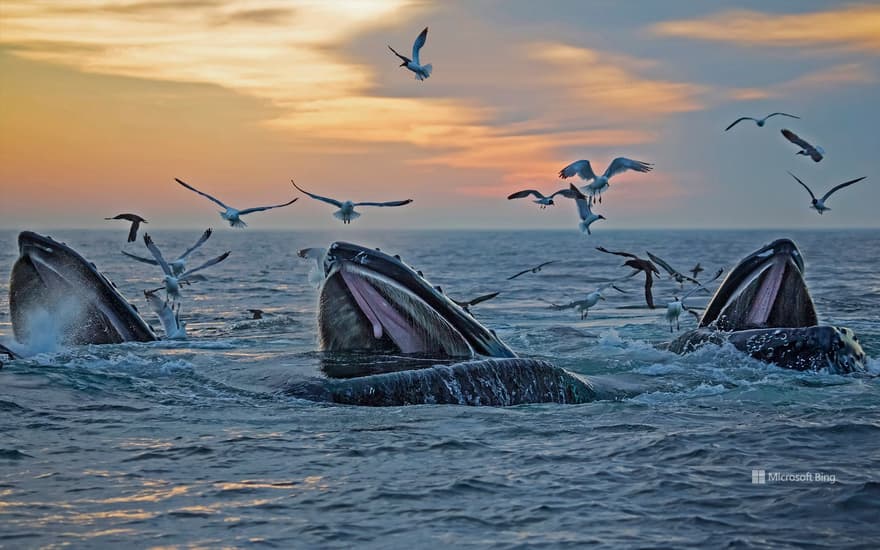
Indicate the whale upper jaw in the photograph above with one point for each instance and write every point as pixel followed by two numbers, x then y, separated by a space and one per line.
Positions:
pixel 51 279
pixel 766 289
pixel 371 301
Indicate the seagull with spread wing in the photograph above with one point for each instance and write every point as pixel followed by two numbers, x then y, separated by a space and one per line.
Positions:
pixel 816 153
pixel 415 65
pixel 479 299
pixel 535 269
pixel 584 210
pixel 230 214
pixel 600 184
pixel 168 314
pixel 539 197
pixel 172 281
pixel 346 211
pixel 640 265
pixel 178 266
pixel 136 222
pixel 759 121
pixel 819 204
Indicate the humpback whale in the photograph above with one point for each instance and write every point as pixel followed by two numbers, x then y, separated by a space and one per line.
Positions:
pixel 372 302
pixel 764 309
pixel 52 281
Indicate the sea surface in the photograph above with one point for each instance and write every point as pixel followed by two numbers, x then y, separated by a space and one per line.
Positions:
pixel 193 443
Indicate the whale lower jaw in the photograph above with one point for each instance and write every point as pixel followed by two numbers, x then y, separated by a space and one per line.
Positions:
pixel 804 348
pixel 487 382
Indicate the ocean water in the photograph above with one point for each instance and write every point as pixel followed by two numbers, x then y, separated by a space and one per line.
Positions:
pixel 193 443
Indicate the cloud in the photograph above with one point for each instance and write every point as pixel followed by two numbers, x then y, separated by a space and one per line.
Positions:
pixel 851 28
pixel 830 78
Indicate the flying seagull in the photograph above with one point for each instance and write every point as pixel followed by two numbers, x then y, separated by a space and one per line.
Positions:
pixel 346 211
pixel 535 269
pixel 479 299
pixel 679 277
pixel 639 264
pixel 583 306
pixel 819 204
pixel 815 153
pixel 172 281
pixel 421 71
pixel 601 183
pixel 319 256
pixel 584 211
pixel 178 266
pixel 696 270
pixel 169 316
pixel 759 121
pixel 540 198
pixel 136 222
pixel 233 215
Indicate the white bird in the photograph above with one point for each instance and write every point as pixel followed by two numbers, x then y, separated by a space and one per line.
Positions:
pixel 172 281
pixel 541 199
pixel 421 71
pixel 584 211
pixel 178 266
pixel 819 204
pixel 816 153
pixel 230 214
pixel 319 256
pixel 346 211
pixel 169 316
pixel 583 306
pixel 601 183
pixel 675 308
pixel 759 121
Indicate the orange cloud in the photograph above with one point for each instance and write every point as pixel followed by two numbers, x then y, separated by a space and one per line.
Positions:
pixel 852 28
pixel 830 78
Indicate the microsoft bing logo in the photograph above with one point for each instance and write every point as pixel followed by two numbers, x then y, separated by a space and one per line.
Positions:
pixel 759 477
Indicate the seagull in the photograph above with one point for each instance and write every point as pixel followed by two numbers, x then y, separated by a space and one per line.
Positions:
pixel 815 153
pixel 136 222
pixel 535 269
pixel 169 316
pixel 233 215
pixel 673 273
pixel 583 306
pixel 346 211
pixel 600 183
pixel 696 270
pixel 319 256
pixel 178 266
pixel 819 204
pixel 172 281
pixel 422 71
pixel 584 211
pixel 759 121
pixel 639 264
pixel 541 199
pixel 479 299
pixel 675 308
pixel 256 313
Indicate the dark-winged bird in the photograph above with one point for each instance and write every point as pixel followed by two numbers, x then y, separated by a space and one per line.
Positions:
pixel 479 299
pixel 816 153
pixel 421 71
pixel 819 204
pixel 535 269
pixel 136 222
pixel 639 264
pixel 759 121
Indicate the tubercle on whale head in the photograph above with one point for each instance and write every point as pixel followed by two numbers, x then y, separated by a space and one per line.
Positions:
pixel 374 301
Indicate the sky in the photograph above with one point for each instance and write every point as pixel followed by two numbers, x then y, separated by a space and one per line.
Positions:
pixel 103 103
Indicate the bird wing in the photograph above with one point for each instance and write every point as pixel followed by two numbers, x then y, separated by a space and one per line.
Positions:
pixel 403 57
pixel 262 208
pixel 389 203
pixel 334 202
pixel 525 193
pixel 207 264
pixel 625 254
pixel 794 138
pixel 841 186
pixel 649 282
pixel 127 216
pixel 140 258
pixel 417 45
pixel 666 267
pixel 154 250
pixel 583 205
pixel 781 114
pixel 557 307
pixel 205 236
pixel 804 184
pixel 207 196
pixel 482 298
pixel 622 164
pixel 737 121
pixel 580 167
pixel 567 193
pixel 523 272
pixel 133 231
pixel 539 266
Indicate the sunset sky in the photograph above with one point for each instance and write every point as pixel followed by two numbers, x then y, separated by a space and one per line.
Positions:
pixel 105 102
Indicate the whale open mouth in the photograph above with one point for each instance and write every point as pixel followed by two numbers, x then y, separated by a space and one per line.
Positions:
pixel 370 301
pixel 766 289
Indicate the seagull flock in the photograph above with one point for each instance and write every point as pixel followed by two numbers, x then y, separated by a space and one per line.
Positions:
pixel 176 275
